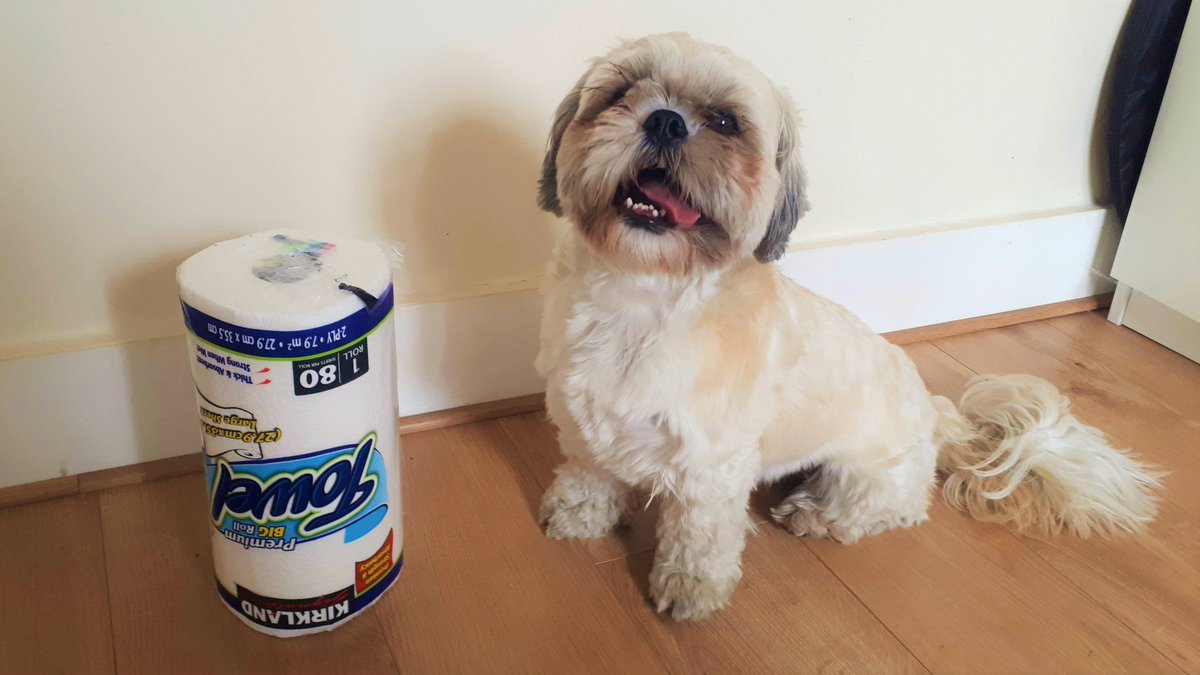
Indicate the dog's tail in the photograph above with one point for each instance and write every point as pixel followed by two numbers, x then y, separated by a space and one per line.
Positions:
pixel 1015 455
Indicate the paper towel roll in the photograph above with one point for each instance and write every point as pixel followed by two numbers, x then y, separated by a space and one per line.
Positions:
pixel 291 343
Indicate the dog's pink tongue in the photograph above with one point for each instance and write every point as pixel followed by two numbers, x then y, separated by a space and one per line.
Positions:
pixel 681 214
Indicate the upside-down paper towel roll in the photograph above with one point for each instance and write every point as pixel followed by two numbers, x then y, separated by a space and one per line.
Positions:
pixel 291 344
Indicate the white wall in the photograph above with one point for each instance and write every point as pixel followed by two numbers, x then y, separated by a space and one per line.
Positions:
pixel 133 133
pixel 72 412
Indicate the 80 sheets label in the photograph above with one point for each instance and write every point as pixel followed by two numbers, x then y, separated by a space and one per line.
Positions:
pixel 330 371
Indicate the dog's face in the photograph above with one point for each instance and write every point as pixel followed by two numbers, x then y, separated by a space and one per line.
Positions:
pixel 675 156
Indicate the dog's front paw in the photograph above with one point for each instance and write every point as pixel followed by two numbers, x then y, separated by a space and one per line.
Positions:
pixel 565 519
pixel 690 597
pixel 580 507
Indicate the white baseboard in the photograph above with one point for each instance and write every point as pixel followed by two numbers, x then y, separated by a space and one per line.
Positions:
pixel 82 411
pixel 467 351
pixel 947 275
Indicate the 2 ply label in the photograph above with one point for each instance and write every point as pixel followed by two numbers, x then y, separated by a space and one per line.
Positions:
pixel 290 345
pixel 321 358
pixel 331 371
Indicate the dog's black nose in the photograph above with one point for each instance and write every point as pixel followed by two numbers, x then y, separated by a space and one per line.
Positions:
pixel 665 128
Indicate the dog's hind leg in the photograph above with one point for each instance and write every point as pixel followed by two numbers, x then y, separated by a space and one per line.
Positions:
pixel 848 500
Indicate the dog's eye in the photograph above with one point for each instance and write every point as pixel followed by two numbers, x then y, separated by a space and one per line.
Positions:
pixel 617 95
pixel 723 123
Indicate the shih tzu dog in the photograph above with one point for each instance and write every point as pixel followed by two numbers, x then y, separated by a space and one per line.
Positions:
pixel 681 362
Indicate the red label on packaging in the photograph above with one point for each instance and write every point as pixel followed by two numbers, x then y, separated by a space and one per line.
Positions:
pixel 371 571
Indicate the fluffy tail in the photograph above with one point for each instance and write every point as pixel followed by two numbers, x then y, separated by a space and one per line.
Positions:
pixel 1015 455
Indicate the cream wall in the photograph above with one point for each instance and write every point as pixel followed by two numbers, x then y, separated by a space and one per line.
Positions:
pixel 132 133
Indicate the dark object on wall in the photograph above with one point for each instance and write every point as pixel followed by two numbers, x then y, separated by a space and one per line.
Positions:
pixel 1146 52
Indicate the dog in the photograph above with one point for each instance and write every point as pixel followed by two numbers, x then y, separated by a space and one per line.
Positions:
pixel 681 363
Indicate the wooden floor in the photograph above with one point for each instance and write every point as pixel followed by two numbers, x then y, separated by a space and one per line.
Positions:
pixel 121 580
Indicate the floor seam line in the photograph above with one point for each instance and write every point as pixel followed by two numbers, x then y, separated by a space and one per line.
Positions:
pixel 1099 605
pixel 867 607
pixel 108 592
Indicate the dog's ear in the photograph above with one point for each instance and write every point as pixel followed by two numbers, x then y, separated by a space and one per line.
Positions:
pixel 792 202
pixel 548 183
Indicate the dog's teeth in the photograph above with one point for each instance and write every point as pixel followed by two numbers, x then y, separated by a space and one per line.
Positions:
pixel 654 212
pixel 628 202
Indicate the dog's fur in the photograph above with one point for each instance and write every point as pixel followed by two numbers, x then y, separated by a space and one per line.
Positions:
pixel 681 362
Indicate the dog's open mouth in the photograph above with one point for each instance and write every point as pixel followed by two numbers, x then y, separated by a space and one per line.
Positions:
pixel 652 203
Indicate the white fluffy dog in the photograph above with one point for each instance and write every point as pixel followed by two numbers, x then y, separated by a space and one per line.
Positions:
pixel 681 362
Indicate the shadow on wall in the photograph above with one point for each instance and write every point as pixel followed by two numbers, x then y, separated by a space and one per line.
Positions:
pixel 473 217
pixel 1098 176
pixel 157 372
pixel 1098 170
pixel 470 228
pixel 472 225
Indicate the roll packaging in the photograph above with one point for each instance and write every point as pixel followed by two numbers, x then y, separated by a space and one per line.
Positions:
pixel 291 343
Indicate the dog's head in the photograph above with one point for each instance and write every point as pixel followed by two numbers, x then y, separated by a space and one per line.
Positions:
pixel 675 156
